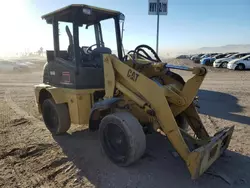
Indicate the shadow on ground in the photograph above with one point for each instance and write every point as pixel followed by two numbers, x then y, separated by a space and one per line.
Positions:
pixel 157 168
pixel 221 105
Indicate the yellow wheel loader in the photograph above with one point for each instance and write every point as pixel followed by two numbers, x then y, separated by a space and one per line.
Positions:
pixel 122 95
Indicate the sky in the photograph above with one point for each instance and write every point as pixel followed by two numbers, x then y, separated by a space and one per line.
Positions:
pixel 189 24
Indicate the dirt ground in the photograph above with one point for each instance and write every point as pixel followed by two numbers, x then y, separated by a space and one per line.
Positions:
pixel 31 157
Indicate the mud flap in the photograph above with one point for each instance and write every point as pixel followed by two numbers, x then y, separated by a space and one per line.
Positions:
pixel 203 157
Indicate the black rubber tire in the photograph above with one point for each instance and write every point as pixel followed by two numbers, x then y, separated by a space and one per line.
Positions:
pixel 223 63
pixel 134 138
pixel 240 67
pixel 56 117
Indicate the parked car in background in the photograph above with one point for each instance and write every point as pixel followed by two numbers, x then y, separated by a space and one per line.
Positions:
pixel 222 55
pixel 192 55
pixel 10 66
pixel 195 57
pixel 206 61
pixel 182 57
pixel 222 62
pixel 210 60
pixel 232 53
pixel 198 59
pixel 240 64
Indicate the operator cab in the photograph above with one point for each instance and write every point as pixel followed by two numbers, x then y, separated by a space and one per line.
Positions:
pixel 88 54
pixel 80 67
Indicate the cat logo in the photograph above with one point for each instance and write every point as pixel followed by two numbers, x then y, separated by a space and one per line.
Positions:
pixel 132 75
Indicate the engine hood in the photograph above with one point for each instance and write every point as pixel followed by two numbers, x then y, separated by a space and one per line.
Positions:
pixel 233 61
pixel 223 59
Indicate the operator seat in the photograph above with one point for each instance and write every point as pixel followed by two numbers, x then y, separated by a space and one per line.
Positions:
pixel 93 66
pixel 101 50
pixel 96 55
pixel 70 50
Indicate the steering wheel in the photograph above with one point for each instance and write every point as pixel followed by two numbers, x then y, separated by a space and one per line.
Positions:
pixel 89 49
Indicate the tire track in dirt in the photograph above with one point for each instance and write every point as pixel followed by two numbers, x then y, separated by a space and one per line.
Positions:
pixel 21 161
pixel 47 165
pixel 16 108
pixel 17 153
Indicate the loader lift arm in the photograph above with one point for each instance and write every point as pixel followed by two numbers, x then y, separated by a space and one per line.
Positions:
pixel 167 102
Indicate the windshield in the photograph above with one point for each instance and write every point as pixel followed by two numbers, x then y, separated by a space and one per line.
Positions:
pixel 205 55
pixel 233 56
pixel 218 55
pixel 228 55
pixel 245 57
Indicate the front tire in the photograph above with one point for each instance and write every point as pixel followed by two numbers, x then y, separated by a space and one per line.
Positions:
pixel 122 138
pixel 240 67
pixel 56 117
pixel 224 64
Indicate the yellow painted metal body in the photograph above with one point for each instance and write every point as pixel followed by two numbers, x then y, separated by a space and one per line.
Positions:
pixel 79 101
pixel 151 103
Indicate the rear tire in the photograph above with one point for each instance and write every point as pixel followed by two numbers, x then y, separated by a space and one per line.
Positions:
pixel 240 67
pixel 56 117
pixel 122 138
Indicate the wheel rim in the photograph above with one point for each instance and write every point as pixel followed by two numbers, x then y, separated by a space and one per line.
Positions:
pixel 115 142
pixel 50 118
pixel 240 67
pixel 224 65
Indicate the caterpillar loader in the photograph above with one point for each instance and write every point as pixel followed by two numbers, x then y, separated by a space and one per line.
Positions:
pixel 122 95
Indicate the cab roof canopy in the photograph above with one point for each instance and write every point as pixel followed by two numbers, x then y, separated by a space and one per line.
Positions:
pixel 80 14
